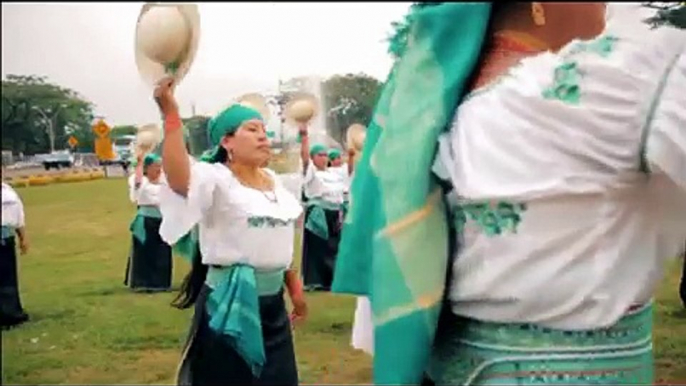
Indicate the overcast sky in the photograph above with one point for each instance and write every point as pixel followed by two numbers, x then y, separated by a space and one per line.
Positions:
pixel 244 47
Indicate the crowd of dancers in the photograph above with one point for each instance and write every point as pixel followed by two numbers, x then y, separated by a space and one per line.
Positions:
pixel 522 185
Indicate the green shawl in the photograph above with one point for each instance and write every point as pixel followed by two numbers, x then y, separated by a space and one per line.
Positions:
pixel 396 230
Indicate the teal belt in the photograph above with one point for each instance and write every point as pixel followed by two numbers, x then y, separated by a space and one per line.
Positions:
pixel 234 308
pixel 137 226
pixel 7 232
pixel 316 218
pixel 266 282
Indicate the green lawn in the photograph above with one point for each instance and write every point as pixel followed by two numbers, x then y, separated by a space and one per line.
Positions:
pixel 88 328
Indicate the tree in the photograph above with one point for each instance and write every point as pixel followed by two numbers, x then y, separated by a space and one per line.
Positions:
pixel 36 113
pixel 196 131
pixel 668 14
pixel 349 99
pixel 118 131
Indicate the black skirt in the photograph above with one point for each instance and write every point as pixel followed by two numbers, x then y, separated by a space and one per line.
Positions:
pixel 209 360
pixel 11 311
pixel 319 255
pixel 149 266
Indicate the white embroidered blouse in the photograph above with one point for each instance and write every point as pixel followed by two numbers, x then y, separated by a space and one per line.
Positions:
pixel 12 208
pixel 146 193
pixel 237 224
pixel 570 181
pixel 327 185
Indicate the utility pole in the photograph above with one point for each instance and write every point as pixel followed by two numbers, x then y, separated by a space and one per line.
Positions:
pixel 50 124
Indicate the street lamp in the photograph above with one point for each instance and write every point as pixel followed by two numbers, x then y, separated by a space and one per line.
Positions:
pixel 51 128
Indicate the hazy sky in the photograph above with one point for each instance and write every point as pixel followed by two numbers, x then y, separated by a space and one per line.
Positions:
pixel 244 47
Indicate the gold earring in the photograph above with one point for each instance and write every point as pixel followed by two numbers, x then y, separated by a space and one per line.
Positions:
pixel 538 14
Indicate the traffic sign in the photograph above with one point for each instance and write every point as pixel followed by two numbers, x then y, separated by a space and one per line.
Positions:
pixel 101 129
pixel 103 149
pixel 73 141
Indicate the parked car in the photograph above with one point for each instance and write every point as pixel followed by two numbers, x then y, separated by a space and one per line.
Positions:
pixel 58 159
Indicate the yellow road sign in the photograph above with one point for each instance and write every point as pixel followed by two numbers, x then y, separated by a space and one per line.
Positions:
pixel 101 129
pixel 73 141
pixel 103 149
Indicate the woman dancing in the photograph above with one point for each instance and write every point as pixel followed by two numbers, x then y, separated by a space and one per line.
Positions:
pixel 560 169
pixel 324 192
pixel 149 268
pixel 241 332
pixel 13 226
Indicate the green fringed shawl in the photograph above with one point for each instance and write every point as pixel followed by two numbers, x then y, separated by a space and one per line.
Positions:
pixel 394 244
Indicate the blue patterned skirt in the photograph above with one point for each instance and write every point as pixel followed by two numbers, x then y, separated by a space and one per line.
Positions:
pixel 470 352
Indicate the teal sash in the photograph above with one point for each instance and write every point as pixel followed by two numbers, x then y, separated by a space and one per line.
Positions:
pixel 316 219
pixel 137 226
pixel 7 232
pixel 234 309
pixel 187 244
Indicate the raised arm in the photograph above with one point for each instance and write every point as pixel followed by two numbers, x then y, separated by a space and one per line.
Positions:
pixel 175 158
pixel 138 172
pixel 304 145
pixel 351 161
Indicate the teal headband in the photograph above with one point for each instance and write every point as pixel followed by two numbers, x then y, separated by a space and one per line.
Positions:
pixel 228 121
pixel 151 159
pixel 316 149
pixel 334 154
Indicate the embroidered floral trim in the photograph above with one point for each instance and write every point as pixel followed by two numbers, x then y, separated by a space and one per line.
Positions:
pixel 267 222
pixel 567 76
pixel 493 219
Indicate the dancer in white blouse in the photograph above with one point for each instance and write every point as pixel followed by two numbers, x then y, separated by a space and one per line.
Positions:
pixel 562 153
pixel 149 267
pixel 324 190
pixel 241 332
pixel 13 226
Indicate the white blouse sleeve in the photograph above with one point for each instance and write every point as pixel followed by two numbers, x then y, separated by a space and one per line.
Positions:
pixel 133 192
pixel 180 214
pixel 12 208
pixel 665 147
pixel 309 173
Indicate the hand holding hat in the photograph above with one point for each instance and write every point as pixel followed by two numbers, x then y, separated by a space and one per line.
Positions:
pixel 167 37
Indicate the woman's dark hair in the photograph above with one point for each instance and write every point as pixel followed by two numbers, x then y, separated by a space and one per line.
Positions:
pixel 195 279
pixel 193 282
pixel 221 156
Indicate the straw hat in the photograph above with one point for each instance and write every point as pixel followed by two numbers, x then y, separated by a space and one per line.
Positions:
pixel 355 136
pixel 167 37
pixel 257 102
pixel 302 107
pixel 147 138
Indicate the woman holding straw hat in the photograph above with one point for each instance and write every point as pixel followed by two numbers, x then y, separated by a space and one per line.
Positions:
pixel 13 227
pixel 241 331
pixel 149 268
pixel 523 178
pixel 324 190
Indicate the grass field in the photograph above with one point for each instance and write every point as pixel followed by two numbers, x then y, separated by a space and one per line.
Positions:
pixel 88 328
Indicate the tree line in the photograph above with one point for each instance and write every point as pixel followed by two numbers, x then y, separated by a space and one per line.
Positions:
pixel 31 105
